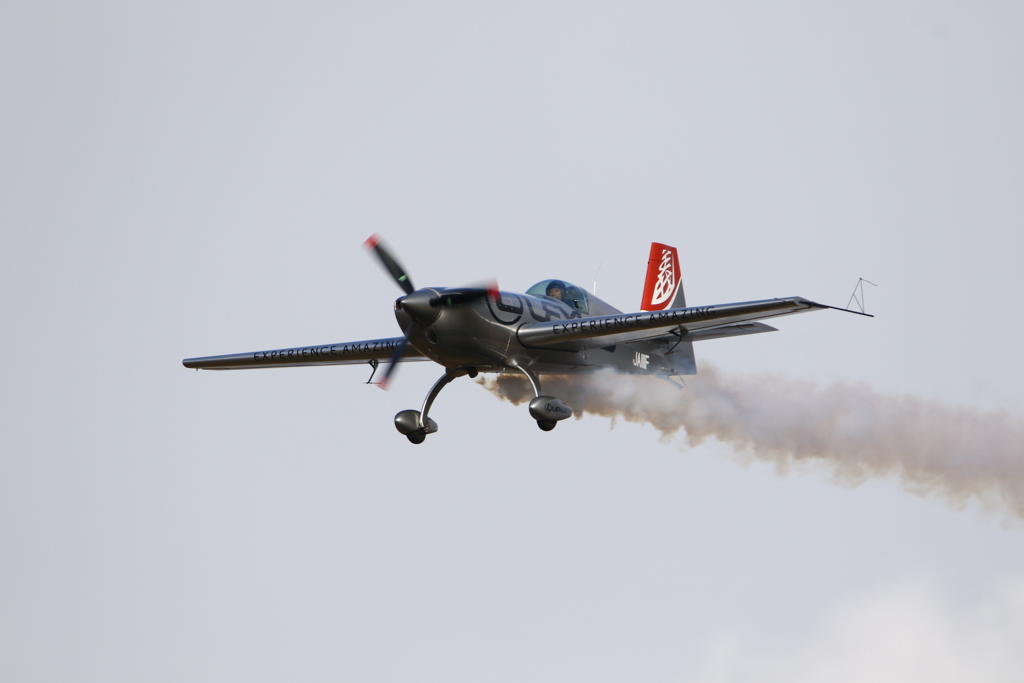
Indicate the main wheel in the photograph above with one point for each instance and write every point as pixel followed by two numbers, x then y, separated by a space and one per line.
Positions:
pixel 416 437
pixel 546 425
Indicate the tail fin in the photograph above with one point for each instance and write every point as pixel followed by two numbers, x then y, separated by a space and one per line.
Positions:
pixel 664 289
pixel 664 286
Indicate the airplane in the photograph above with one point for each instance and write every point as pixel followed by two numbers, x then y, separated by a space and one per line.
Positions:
pixel 554 328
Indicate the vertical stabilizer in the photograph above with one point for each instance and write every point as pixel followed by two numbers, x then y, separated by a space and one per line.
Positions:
pixel 664 286
pixel 664 289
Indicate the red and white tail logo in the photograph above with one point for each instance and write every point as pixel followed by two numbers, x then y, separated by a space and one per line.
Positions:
pixel 663 278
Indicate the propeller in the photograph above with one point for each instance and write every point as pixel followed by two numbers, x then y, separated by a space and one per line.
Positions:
pixel 453 296
pixel 393 363
pixel 390 264
pixel 422 306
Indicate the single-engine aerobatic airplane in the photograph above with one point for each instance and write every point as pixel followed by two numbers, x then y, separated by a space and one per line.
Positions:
pixel 555 328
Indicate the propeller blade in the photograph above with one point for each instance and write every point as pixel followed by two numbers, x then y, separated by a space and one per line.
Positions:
pixel 392 266
pixel 452 296
pixel 393 363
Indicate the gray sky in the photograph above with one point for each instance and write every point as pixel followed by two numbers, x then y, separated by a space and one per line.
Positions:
pixel 192 179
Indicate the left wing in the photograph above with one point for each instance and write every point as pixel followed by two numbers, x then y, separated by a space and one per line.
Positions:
pixel 347 353
pixel 621 328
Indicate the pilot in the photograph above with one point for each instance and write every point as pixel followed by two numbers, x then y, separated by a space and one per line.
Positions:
pixel 556 290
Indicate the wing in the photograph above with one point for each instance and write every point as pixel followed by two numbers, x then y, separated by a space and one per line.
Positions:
pixel 347 353
pixel 703 322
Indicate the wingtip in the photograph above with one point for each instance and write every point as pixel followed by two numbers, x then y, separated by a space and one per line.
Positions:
pixel 844 310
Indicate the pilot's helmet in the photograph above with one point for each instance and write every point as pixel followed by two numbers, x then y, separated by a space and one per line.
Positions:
pixel 556 284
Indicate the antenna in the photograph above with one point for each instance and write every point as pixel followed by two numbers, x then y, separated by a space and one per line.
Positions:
pixel 595 275
pixel 858 294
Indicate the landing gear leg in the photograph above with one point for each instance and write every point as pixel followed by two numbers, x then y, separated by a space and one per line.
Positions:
pixel 414 423
pixel 530 375
pixel 546 410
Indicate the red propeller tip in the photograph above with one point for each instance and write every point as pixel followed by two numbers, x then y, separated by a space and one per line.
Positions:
pixel 383 384
pixel 492 290
pixel 372 241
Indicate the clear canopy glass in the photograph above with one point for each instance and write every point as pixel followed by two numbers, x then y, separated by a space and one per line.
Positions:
pixel 563 291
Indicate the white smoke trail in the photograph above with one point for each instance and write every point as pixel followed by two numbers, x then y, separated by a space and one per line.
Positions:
pixel 854 431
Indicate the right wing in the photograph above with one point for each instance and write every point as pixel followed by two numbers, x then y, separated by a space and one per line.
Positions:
pixel 347 353
pixel 621 328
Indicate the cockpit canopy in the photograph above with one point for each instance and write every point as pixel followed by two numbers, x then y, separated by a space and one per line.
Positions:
pixel 563 291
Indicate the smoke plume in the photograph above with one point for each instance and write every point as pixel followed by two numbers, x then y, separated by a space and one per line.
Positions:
pixel 855 432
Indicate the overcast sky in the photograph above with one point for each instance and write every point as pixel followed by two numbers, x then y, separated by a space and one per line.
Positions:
pixel 184 179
